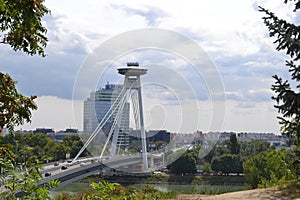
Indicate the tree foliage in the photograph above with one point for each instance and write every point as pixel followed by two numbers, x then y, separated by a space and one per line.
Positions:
pixel 234 145
pixel 20 158
pixel 219 149
pixel 253 148
pixel 186 163
pixel 105 190
pixel 21 180
pixel 21 25
pixel 227 163
pixel 14 107
pixel 73 144
pixel 288 96
pixel 41 146
pixel 270 168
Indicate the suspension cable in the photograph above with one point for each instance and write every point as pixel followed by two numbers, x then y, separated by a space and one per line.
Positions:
pixel 101 124
pixel 114 124
pixel 135 109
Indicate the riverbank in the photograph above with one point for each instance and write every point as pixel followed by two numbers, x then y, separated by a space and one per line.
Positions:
pixel 166 183
pixel 266 193
pixel 192 190
pixel 178 189
pixel 171 179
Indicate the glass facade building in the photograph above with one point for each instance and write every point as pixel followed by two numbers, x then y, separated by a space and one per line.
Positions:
pixel 98 105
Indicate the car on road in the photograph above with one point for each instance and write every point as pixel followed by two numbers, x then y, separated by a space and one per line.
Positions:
pixel 47 174
pixel 56 164
pixel 64 167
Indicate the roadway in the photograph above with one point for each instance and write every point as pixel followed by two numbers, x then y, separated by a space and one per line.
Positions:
pixel 86 167
pixel 67 172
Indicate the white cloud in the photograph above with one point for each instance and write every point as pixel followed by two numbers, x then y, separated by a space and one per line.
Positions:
pixel 226 26
pixel 232 32
pixel 57 113
pixel 251 117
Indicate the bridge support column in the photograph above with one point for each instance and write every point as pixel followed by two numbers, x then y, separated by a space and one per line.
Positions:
pixel 132 82
pixel 151 161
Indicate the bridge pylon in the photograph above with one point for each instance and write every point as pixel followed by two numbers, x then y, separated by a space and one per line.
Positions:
pixel 132 82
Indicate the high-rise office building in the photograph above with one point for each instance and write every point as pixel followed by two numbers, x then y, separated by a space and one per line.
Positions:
pixel 98 105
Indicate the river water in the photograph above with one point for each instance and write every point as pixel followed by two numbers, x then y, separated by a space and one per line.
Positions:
pixel 80 187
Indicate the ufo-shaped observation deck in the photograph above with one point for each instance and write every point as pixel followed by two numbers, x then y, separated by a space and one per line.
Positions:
pixel 132 69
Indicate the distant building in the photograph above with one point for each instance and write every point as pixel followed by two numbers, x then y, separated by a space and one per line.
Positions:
pixel 198 136
pixel 43 130
pixel 243 137
pixel 225 135
pixel 71 130
pixel 96 107
pixel 182 138
pixel 60 135
pixel 152 136
pixel 158 135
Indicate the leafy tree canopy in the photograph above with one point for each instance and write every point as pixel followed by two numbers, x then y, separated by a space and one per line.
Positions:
pixel 234 145
pixel 270 168
pixel 14 107
pixel 21 25
pixel 186 163
pixel 227 163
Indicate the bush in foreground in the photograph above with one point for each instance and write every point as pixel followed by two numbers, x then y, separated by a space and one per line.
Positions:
pixel 105 190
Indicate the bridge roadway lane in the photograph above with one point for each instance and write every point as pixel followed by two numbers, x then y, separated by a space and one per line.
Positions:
pixel 77 170
pixel 73 173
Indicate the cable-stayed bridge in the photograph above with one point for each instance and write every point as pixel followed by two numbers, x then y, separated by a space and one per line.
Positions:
pixel 139 162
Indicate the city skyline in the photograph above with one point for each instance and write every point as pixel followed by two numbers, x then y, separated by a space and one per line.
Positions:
pixel 232 34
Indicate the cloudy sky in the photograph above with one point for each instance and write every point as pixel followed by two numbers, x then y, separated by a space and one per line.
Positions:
pixel 176 97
